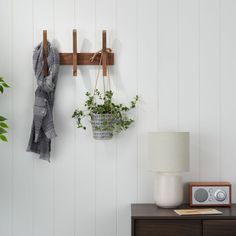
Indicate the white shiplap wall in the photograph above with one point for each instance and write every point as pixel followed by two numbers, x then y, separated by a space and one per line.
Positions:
pixel 178 55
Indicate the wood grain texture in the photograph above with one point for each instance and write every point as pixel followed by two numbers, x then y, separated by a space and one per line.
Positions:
pixel 219 227
pixel 150 220
pixel 194 184
pixel 84 59
pixel 74 52
pixel 152 211
pixel 45 53
pixel 167 228
pixel 209 184
pixel 104 47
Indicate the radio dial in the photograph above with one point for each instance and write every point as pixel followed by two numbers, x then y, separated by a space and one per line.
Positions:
pixel 220 195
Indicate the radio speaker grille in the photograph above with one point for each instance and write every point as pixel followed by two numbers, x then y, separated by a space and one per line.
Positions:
pixel 201 195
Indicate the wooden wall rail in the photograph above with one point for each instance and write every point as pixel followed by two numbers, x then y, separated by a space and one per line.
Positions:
pixel 45 53
pixel 83 58
pixel 74 59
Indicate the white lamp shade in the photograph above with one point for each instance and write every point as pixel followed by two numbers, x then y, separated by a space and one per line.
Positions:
pixel 169 151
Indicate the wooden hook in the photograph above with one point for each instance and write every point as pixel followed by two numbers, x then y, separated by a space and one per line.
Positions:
pixel 104 53
pixel 74 52
pixel 45 53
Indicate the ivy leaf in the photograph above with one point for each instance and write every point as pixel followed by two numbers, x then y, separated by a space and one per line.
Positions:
pixel 2 131
pixel 3 124
pixel 2 118
pixel 3 138
pixel 103 104
pixel 6 85
pixel 1 89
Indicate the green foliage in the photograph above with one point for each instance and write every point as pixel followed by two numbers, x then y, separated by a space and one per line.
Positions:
pixel 98 104
pixel 3 85
pixel 3 124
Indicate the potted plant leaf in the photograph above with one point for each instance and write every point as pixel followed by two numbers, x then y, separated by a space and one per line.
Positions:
pixel 106 117
pixel 3 124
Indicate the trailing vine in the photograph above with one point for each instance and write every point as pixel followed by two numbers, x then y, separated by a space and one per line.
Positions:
pixel 3 124
pixel 104 104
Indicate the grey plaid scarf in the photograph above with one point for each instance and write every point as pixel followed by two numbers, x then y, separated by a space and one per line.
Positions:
pixel 43 130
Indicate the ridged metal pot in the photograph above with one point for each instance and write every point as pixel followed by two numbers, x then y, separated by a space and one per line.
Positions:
pixel 98 121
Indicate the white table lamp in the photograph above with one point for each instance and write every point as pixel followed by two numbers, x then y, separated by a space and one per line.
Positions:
pixel 169 154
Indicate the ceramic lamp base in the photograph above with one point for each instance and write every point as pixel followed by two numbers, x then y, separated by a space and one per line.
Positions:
pixel 168 190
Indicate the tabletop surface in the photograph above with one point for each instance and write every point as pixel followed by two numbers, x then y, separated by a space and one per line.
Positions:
pixel 151 211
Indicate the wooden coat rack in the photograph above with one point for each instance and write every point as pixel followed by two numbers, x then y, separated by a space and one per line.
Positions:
pixel 45 53
pixel 82 58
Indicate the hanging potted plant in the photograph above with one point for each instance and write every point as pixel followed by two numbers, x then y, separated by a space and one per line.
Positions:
pixel 106 117
pixel 3 124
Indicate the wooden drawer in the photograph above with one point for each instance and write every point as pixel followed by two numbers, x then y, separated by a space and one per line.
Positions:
pixel 219 228
pixel 167 228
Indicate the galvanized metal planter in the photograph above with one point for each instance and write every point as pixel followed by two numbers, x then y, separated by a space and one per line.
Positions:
pixel 102 125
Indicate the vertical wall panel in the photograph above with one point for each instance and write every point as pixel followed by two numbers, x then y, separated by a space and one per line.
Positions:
pixel 85 144
pixel 147 90
pixel 189 79
pixel 178 55
pixel 64 155
pixel 168 64
pixel 105 150
pixel 22 88
pixel 126 87
pixel 209 90
pixel 6 111
pixel 42 170
pixel 228 96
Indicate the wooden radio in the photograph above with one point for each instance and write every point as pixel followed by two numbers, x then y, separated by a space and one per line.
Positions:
pixel 210 194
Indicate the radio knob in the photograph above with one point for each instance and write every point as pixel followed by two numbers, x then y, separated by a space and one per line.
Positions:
pixel 220 195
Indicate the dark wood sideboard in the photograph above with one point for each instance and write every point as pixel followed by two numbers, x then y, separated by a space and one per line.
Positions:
pixel 149 220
